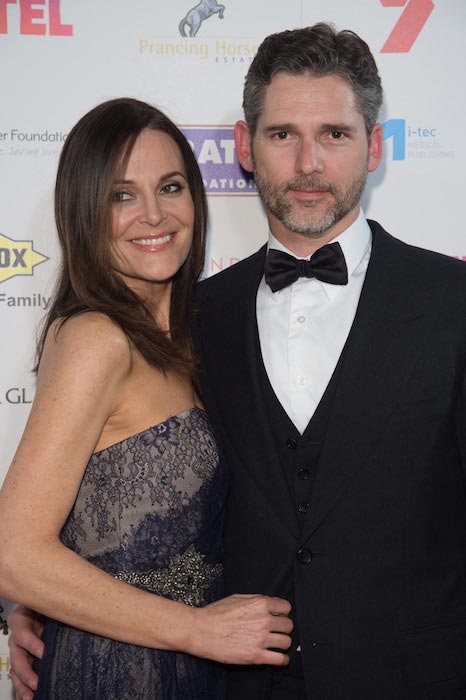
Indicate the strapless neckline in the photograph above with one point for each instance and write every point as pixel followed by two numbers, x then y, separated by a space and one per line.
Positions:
pixel 182 415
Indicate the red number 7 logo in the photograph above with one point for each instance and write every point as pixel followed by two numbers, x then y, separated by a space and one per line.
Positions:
pixel 408 27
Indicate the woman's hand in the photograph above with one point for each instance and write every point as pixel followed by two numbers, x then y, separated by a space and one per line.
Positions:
pixel 243 629
pixel 24 641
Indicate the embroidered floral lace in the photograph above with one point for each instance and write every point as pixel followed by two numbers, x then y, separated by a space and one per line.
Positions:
pixel 150 512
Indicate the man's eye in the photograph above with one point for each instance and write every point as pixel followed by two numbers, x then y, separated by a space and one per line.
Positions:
pixel 281 135
pixel 336 134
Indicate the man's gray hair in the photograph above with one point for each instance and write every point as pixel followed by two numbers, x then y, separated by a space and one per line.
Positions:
pixel 318 50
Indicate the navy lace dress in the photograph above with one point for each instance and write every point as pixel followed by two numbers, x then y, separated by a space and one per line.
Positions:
pixel 150 512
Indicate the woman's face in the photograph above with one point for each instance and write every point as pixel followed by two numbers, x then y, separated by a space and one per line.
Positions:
pixel 152 214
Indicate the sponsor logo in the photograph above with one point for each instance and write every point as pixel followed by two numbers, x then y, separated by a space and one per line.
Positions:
pixel 191 22
pixel 4 659
pixel 214 148
pixel 17 258
pixel 33 301
pixel 31 143
pixel 218 50
pixel 37 18
pixel 218 264
pixel 17 395
pixel 191 47
pixel 409 25
pixel 411 141
pixel 17 136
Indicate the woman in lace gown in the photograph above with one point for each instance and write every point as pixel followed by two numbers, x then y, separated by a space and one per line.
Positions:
pixel 112 508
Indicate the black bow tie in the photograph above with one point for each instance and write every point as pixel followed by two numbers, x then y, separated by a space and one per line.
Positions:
pixel 327 265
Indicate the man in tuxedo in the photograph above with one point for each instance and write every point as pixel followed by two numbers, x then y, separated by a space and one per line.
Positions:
pixel 333 366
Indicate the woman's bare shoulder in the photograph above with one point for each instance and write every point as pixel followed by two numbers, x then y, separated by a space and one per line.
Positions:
pixel 90 338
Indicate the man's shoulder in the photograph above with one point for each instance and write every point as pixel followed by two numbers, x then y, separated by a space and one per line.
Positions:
pixel 422 259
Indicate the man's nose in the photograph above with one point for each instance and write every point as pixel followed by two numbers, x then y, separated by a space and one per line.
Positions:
pixel 309 158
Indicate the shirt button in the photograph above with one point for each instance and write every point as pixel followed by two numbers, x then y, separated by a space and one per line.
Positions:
pixel 303 473
pixel 303 506
pixel 304 555
pixel 301 319
pixel 302 381
pixel 291 443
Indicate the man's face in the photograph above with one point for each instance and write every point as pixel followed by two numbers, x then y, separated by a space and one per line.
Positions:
pixel 310 155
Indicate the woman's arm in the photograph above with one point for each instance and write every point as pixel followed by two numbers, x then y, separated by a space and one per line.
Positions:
pixel 80 385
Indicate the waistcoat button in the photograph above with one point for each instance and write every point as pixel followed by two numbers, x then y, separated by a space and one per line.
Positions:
pixel 303 473
pixel 304 555
pixel 291 443
pixel 303 506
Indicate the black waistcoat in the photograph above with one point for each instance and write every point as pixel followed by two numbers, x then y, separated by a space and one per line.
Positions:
pixel 299 454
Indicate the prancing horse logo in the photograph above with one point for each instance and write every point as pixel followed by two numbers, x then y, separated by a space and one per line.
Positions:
pixel 199 13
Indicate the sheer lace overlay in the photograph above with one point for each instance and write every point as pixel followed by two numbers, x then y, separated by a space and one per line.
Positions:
pixel 150 512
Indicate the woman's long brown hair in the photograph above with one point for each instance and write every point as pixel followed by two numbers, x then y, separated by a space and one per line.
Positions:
pixel 95 152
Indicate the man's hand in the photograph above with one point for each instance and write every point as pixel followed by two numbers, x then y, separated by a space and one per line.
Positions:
pixel 24 642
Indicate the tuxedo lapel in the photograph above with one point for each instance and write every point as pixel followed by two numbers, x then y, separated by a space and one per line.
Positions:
pixel 393 316
pixel 231 361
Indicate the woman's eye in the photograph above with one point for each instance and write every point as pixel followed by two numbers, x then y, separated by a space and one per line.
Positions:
pixel 120 196
pixel 172 188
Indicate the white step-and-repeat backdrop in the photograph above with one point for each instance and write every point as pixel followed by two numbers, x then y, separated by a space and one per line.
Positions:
pixel 61 57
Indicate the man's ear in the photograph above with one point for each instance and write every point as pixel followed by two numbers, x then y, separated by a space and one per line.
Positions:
pixel 243 145
pixel 375 148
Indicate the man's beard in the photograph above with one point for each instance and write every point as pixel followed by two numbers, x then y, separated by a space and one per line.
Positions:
pixel 301 216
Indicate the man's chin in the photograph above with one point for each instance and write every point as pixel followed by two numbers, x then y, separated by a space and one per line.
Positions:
pixel 310 229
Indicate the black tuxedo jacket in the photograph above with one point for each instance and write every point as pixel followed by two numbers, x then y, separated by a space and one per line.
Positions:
pixel 381 600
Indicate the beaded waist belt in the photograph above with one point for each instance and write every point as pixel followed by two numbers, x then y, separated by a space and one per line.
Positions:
pixel 186 579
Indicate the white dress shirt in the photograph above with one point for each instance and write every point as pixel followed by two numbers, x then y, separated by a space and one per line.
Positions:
pixel 303 328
